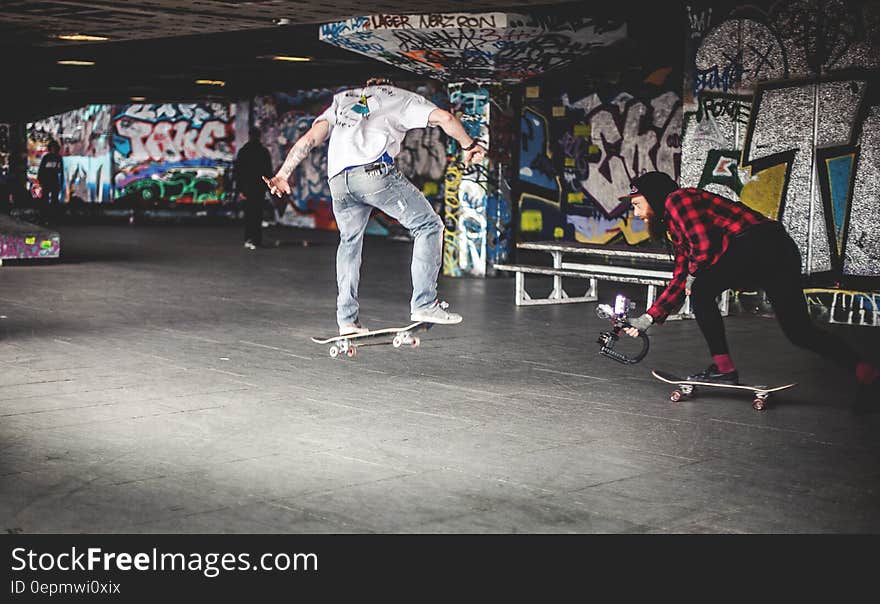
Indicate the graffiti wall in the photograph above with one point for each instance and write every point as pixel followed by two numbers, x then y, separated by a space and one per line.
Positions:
pixel 283 117
pixel 467 191
pixel 20 240
pixel 175 153
pixel 782 112
pixel 86 139
pixel 178 152
pixel 84 136
pixel 477 47
pixel 39 135
pixel 578 155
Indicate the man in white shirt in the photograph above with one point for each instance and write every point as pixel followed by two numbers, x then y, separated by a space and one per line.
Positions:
pixel 366 127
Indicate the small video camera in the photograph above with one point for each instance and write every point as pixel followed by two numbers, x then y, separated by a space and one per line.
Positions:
pixel 608 339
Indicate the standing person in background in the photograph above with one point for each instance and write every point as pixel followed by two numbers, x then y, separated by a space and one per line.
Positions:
pixel 366 126
pixel 50 174
pixel 252 165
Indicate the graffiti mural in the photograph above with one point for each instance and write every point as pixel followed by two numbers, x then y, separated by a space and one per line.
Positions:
pixel 476 47
pixel 577 157
pixel 474 210
pixel 21 240
pixel 86 151
pixel 178 152
pixel 781 112
pixel 282 118
pixel 84 136
pixel 39 135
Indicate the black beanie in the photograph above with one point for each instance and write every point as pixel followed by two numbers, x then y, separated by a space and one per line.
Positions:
pixel 656 187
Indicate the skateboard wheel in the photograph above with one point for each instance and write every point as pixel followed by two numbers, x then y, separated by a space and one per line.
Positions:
pixel 397 341
pixel 758 404
pixel 351 352
pixel 334 352
pixel 676 396
pixel 415 342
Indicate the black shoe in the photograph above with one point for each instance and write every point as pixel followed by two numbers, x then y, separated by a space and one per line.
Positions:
pixel 714 376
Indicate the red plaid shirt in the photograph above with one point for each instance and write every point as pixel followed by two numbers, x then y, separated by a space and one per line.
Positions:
pixel 701 226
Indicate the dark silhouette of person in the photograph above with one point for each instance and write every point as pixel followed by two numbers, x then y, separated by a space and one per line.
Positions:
pixel 50 174
pixel 252 164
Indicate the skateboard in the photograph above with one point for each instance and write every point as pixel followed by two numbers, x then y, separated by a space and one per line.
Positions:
pixel 396 336
pixel 685 388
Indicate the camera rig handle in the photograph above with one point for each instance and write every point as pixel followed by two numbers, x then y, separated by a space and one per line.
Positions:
pixel 608 339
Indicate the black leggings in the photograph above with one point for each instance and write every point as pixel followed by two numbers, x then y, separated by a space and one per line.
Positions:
pixel 253 215
pixel 764 257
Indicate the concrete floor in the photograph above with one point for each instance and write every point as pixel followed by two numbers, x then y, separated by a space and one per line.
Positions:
pixel 161 379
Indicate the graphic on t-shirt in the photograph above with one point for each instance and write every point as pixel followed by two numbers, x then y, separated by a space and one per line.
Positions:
pixel 361 106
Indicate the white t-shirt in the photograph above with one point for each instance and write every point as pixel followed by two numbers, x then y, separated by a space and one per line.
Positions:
pixel 365 123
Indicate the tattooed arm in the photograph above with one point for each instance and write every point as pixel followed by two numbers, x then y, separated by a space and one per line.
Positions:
pixel 453 127
pixel 316 135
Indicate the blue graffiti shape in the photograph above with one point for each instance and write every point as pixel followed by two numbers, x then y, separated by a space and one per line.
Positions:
pixel 535 167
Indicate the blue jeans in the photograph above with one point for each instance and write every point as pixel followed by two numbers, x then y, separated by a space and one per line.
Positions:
pixel 355 193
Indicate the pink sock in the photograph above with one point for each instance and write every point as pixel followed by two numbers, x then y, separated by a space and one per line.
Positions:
pixel 723 362
pixel 866 374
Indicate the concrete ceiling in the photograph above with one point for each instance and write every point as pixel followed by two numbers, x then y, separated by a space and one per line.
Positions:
pixel 157 49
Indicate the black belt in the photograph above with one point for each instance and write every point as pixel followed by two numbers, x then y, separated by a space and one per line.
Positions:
pixel 375 166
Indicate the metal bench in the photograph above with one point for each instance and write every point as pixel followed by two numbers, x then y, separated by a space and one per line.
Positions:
pixel 621 273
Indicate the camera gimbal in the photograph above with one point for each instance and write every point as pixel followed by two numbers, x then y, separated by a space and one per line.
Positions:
pixel 608 339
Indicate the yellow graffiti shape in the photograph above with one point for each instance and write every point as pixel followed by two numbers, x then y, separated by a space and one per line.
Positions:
pixel 451 251
pixel 531 221
pixel 763 192
pixel 554 204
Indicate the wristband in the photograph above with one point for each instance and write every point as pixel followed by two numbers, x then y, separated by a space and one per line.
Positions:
pixel 473 144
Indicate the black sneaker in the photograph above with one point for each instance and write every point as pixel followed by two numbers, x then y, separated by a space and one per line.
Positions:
pixel 712 375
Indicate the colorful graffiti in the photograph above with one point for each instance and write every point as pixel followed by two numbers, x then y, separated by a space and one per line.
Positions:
pixel 39 134
pixel 781 113
pixel 84 137
pixel 476 47
pixel 282 118
pixel 476 214
pixel 20 240
pixel 180 152
pixel 86 151
pixel 176 153
pixel 578 157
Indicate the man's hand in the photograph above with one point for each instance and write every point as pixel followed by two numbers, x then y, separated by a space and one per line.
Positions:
pixel 639 324
pixel 277 186
pixel 474 155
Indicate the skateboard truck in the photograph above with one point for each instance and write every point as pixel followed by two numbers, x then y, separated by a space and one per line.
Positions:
pixel 608 339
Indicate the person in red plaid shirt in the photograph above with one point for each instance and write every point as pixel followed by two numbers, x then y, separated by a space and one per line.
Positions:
pixel 722 244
